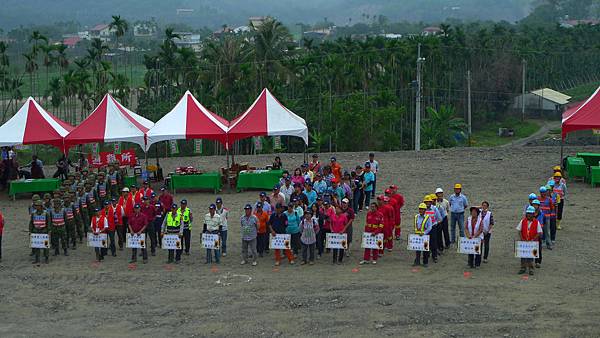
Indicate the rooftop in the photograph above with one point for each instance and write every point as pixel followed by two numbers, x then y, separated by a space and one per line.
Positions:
pixel 552 95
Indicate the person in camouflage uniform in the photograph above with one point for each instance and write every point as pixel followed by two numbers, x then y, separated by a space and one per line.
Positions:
pixel 102 189
pixel 39 223
pixel 83 210
pixel 90 196
pixel 31 210
pixel 77 217
pixel 47 202
pixel 58 217
pixel 70 221
pixel 113 181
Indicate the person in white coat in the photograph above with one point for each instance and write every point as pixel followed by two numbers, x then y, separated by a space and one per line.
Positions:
pixel 487 220
pixel 474 229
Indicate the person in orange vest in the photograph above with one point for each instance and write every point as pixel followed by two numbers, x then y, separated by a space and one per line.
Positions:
pixel 388 222
pixel 336 169
pixel 126 203
pixel 119 226
pixel 374 225
pixel 398 215
pixel 99 224
pixel 146 190
pixel 560 188
pixel 529 229
pixel 109 214
pixel 548 210
pixel 137 195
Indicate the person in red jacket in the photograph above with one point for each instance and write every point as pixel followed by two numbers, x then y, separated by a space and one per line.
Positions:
pixel 150 212
pixel 388 222
pixel 398 215
pixel 137 226
pixel 126 203
pixel 529 229
pixel 166 200
pixel 1 231
pixel 137 194
pixel 119 217
pixel 373 225
pixel 109 213
pixel 98 225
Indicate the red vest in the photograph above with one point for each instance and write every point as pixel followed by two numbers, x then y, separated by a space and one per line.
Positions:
pixel 531 233
pixel 127 205
pixel 110 216
pixel 98 223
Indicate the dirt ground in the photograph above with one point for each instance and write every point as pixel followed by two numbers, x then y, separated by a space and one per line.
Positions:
pixel 73 297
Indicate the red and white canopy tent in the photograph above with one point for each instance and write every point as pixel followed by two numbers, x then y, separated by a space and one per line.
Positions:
pixel 267 117
pixel 584 116
pixel 189 120
pixel 110 122
pixel 34 125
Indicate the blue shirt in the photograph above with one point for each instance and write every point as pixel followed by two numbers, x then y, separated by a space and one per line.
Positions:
pixel 369 179
pixel 293 222
pixel 320 187
pixel 458 203
pixel 312 197
pixel 427 224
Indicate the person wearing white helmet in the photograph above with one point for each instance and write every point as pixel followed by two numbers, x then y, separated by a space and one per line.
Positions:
pixel 444 207
pixel 528 229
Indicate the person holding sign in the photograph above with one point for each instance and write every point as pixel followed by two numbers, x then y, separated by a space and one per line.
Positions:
pixel 212 225
pixel 422 226
pixel 529 229
pixel 339 225
pixel 109 214
pixel 487 221
pixel 398 214
pixel 374 225
pixel 171 226
pixel 474 229
pixel 39 224
pixel 99 224
pixel 278 224
pixel 293 227
pixel 388 222
pixel 185 215
pixel 137 226
pixel 309 228
pixel 436 218
pixel 249 224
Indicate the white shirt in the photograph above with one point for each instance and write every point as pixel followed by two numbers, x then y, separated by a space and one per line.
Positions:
pixel 374 166
pixel 469 224
pixel 212 223
pixel 224 213
pixel 287 192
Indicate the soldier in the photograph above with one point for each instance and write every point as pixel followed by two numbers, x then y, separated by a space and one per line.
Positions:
pixel 39 224
pixel 70 221
pixel 31 210
pixel 113 182
pixel 172 225
pixel 47 202
pixel 90 196
pixel 102 188
pixel 84 211
pixel 58 217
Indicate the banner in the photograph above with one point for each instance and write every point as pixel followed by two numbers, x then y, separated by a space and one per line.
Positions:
pixel 136 241
pixel 372 241
pixel 97 241
pixel 525 249
pixel 117 149
pixel 171 242
pixel 125 158
pixel 336 241
pixel 173 147
pixel 211 241
pixel 276 142
pixel 198 146
pixel 39 241
pixel 469 246
pixel 280 241
pixel 418 243
pixel 257 143
pixel 95 149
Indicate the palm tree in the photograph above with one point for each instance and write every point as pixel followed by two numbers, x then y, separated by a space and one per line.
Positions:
pixel 441 127
pixel 121 89
pixel 4 62
pixel 15 94
pixel 61 58
pixel 31 67
pixel 272 39
pixel 120 26
pixel 47 59
pixel 55 91
pixel 35 37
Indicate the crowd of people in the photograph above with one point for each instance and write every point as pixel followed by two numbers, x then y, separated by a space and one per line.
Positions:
pixel 314 200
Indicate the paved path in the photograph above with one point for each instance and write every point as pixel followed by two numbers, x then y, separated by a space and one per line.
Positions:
pixel 549 125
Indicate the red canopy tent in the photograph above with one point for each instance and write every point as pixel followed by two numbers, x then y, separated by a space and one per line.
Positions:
pixel 110 122
pixel 34 125
pixel 583 117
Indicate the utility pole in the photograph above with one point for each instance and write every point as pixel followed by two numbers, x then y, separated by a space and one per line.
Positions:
pixel 523 90
pixel 420 60
pixel 469 104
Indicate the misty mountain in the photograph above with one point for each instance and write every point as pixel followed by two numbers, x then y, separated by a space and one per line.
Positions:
pixel 215 13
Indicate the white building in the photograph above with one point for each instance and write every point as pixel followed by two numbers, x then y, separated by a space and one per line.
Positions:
pixel 542 102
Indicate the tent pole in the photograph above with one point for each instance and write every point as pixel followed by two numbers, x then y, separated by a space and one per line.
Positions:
pixel 561 151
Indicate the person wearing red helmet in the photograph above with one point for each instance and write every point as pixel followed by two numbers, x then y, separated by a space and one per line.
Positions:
pixel 398 215
pixel 387 210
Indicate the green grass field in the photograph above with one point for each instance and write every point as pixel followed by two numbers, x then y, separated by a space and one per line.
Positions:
pixel 488 136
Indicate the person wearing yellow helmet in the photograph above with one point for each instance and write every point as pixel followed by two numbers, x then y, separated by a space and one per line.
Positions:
pixel 422 226
pixel 458 205
pixel 560 188
pixel 435 217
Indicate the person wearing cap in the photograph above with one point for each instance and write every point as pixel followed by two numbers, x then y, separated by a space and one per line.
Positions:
pixel 47 201
pixel 422 226
pixel 309 227
pixel 325 211
pixel 350 215
pixel 327 175
pixel 277 197
pixel 434 217
pixel 395 195
pixel 119 213
pixel 339 225
pixel 315 165
pixel 166 199
pixel 560 188
pixel 98 225
pixel 539 215
pixel 262 237
pixel 307 174
pixel 249 224
pixel 336 168
pixel 368 183
pixel 529 229
pixel 126 203
pixel 102 188
pixel 39 223
pixel 109 214
pixel 277 225
pixel 90 196
pixel 293 227
pixel 172 225
pixel 555 199
pixel 388 222
pixel 394 203
pixel 137 194
pixel 113 182
pixel 458 205
pixel 374 165
pixel 212 225
pixel 262 199
pixel 58 218
pixel 83 209
pixel 548 210
pixel 224 213
pixel 311 195
pixel 146 189
pixel 287 189
pixel 319 185
pixel 185 215
pixel 373 225
pixel 78 216
pixel 70 222
pixel 31 208
pixel 149 211
pixel 156 223
pixel 298 195
pixel 487 222
pixel 444 208
pixel 474 229
pixel 137 225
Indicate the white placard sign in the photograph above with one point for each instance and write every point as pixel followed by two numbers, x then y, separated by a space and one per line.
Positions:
pixel 136 241
pixel 39 241
pixel 211 241
pixel 526 249
pixel 97 241
pixel 171 242
pixel 280 241
pixel 469 246
pixel 417 243
pixel 372 241
pixel 337 241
